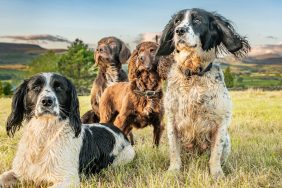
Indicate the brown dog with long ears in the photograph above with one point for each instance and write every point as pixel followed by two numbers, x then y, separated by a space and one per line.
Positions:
pixel 138 103
pixel 110 54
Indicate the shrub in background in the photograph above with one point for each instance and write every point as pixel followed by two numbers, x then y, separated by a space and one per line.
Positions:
pixel 44 63
pixel 229 78
pixel 1 89
pixel 77 64
pixel 7 89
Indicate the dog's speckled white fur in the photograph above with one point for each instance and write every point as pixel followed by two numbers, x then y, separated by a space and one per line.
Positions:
pixel 198 110
pixel 44 153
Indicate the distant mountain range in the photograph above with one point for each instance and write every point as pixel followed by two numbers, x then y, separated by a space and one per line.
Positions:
pixel 268 54
pixel 15 53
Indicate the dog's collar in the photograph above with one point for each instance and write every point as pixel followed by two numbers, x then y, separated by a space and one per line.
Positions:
pixel 148 93
pixel 202 72
pixel 189 73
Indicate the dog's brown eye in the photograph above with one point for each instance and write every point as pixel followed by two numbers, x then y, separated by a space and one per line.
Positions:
pixel 176 21
pixel 152 50
pixel 36 88
pixel 196 21
pixel 57 86
pixel 113 45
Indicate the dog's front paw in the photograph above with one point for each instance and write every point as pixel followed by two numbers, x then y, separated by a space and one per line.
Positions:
pixel 174 167
pixel 217 173
pixel 8 179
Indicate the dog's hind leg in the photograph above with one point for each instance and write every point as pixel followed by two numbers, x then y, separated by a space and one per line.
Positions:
pixel 8 179
pixel 131 138
pixel 89 117
pixel 127 130
pixel 125 156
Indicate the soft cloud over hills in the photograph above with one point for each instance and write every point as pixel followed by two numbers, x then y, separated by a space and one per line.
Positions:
pixel 266 51
pixel 46 40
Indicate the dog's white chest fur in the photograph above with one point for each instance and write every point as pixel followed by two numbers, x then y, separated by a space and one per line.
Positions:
pixel 44 153
pixel 199 103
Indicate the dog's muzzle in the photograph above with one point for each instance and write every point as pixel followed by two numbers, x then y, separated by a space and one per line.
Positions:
pixel 47 105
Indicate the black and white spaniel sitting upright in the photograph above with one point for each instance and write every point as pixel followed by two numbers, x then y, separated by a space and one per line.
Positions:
pixel 197 103
pixel 55 147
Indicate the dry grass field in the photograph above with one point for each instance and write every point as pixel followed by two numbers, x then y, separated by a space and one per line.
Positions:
pixel 255 161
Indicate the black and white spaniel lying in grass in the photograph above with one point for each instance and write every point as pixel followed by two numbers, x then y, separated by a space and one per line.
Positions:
pixel 55 147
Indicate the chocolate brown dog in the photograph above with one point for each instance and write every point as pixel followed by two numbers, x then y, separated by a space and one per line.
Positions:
pixel 110 54
pixel 138 103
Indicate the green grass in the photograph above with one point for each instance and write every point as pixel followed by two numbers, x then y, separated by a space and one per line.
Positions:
pixel 255 160
pixel 259 81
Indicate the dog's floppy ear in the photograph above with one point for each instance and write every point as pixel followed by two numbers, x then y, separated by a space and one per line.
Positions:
pixel 124 53
pixel 14 121
pixel 233 42
pixel 166 41
pixel 164 66
pixel 74 115
pixel 132 69
pixel 95 59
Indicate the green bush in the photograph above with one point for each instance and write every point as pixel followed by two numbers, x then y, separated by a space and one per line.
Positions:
pixel 229 78
pixel 44 63
pixel 1 89
pixel 240 79
pixel 7 89
pixel 77 64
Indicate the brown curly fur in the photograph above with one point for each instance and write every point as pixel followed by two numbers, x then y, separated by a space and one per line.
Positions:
pixel 192 63
pixel 110 62
pixel 125 105
pixel 165 63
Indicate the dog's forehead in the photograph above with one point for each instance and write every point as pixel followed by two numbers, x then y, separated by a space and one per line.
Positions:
pixel 47 79
pixel 38 79
pixel 189 14
pixel 200 13
pixel 147 45
pixel 108 40
pixel 59 78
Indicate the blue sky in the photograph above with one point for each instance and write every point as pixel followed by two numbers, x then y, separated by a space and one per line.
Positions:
pixel 260 21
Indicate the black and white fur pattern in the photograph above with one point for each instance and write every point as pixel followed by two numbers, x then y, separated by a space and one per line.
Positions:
pixel 55 147
pixel 198 108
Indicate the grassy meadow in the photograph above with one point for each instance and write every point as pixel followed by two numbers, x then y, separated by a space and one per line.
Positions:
pixel 255 160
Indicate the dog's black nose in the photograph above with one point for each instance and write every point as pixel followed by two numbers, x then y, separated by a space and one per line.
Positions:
pixel 47 101
pixel 180 31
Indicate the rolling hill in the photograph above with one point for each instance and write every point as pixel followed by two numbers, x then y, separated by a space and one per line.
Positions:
pixel 15 53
